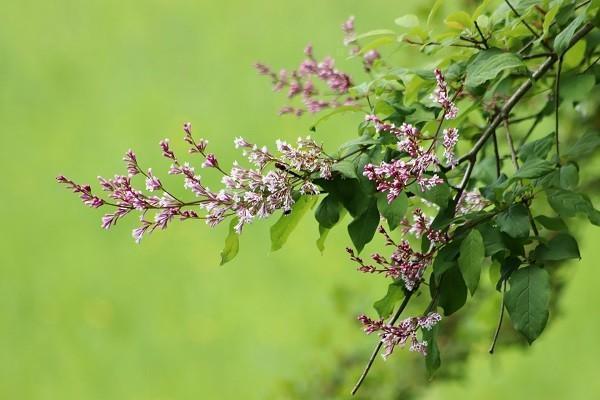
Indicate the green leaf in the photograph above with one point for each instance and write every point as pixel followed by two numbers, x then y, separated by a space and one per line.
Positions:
pixel 349 192
pixel 527 301
pixel 407 21
pixel 552 223
pixel 433 11
pixel 445 259
pixel 458 20
pixel 323 233
pixel 568 204
pixel 534 168
pixel 470 260
pixel 232 243
pixel 563 39
pixel 537 148
pixel 328 212
pixel 280 232
pixel 492 239
pixel 569 176
pixel 439 194
pixel 585 145
pixel 576 86
pixel 514 221
pixel 432 359
pixel 561 247
pixel 393 212
pixel 488 65
pixel 345 167
pixel 362 228
pixel 395 293
pixel 549 18
pixel 453 292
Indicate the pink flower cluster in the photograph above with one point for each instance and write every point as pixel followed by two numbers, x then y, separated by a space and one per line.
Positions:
pixel 369 57
pixel 471 201
pixel 404 263
pixel 248 193
pixel 405 331
pixel 301 82
pixel 395 176
pixel 441 96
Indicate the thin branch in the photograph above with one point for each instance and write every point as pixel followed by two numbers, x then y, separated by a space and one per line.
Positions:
pixel 497 332
pixel 533 32
pixel 591 65
pixel 497 155
pixel 380 344
pixel 519 93
pixel 511 145
pixel 556 105
pixel 483 39
pixel 538 55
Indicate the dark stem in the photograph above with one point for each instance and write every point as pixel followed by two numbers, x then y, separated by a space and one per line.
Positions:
pixel 556 105
pixel 511 145
pixel 483 39
pixel 529 28
pixel 497 155
pixel 380 344
pixel 497 332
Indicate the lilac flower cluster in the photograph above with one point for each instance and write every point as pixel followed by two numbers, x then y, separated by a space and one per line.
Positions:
pixel 405 331
pixel 441 96
pixel 393 177
pixel 404 263
pixel 471 201
pixel 301 82
pixel 248 193
pixel 369 57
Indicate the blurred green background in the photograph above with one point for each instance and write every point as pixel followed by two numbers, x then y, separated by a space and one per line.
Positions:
pixel 87 314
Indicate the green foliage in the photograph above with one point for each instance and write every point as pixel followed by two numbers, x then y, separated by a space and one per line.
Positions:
pixel 488 65
pixel 362 228
pixel 395 293
pixel 232 244
pixel 283 228
pixel 470 260
pixel 514 221
pixel 393 212
pixel 527 301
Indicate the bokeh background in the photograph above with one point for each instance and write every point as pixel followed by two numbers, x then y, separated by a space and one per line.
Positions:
pixel 87 314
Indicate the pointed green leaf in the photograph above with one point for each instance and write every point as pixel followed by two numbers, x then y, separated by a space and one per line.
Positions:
pixel 563 39
pixel 363 228
pixel 393 212
pixel 328 212
pixel 395 293
pixel 232 243
pixel 527 301
pixel 280 232
pixel 432 359
pixel 470 260
pixel 488 65
pixel 561 247
pixel 514 221
pixel 453 291
pixel 534 168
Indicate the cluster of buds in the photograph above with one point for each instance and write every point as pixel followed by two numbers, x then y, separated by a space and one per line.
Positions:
pixel 471 201
pixel 404 263
pixel 369 57
pixel 301 83
pixel 442 97
pixel 405 331
pixel 248 193
pixel 393 177
pixel 421 227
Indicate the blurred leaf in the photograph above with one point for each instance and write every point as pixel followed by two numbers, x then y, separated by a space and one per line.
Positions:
pixel 453 292
pixel 488 64
pixel 395 293
pixel 549 18
pixel 527 301
pixel 458 20
pixel 432 359
pixel 534 168
pixel 569 176
pixel 585 145
pixel 552 223
pixel 561 247
pixel 346 168
pixel 568 204
pixel 328 212
pixel 470 260
pixel 537 148
pixel 323 233
pixel 433 11
pixel 335 111
pixel 575 55
pixel 514 221
pixel 562 40
pixel 407 21
pixel 576 87
pixel 280 232
pixel 439 194
pixel 232 243
pixel 362 228
pixel 393 212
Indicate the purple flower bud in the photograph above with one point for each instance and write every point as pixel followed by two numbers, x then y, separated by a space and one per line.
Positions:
pixel 210 161
pixel 187 128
